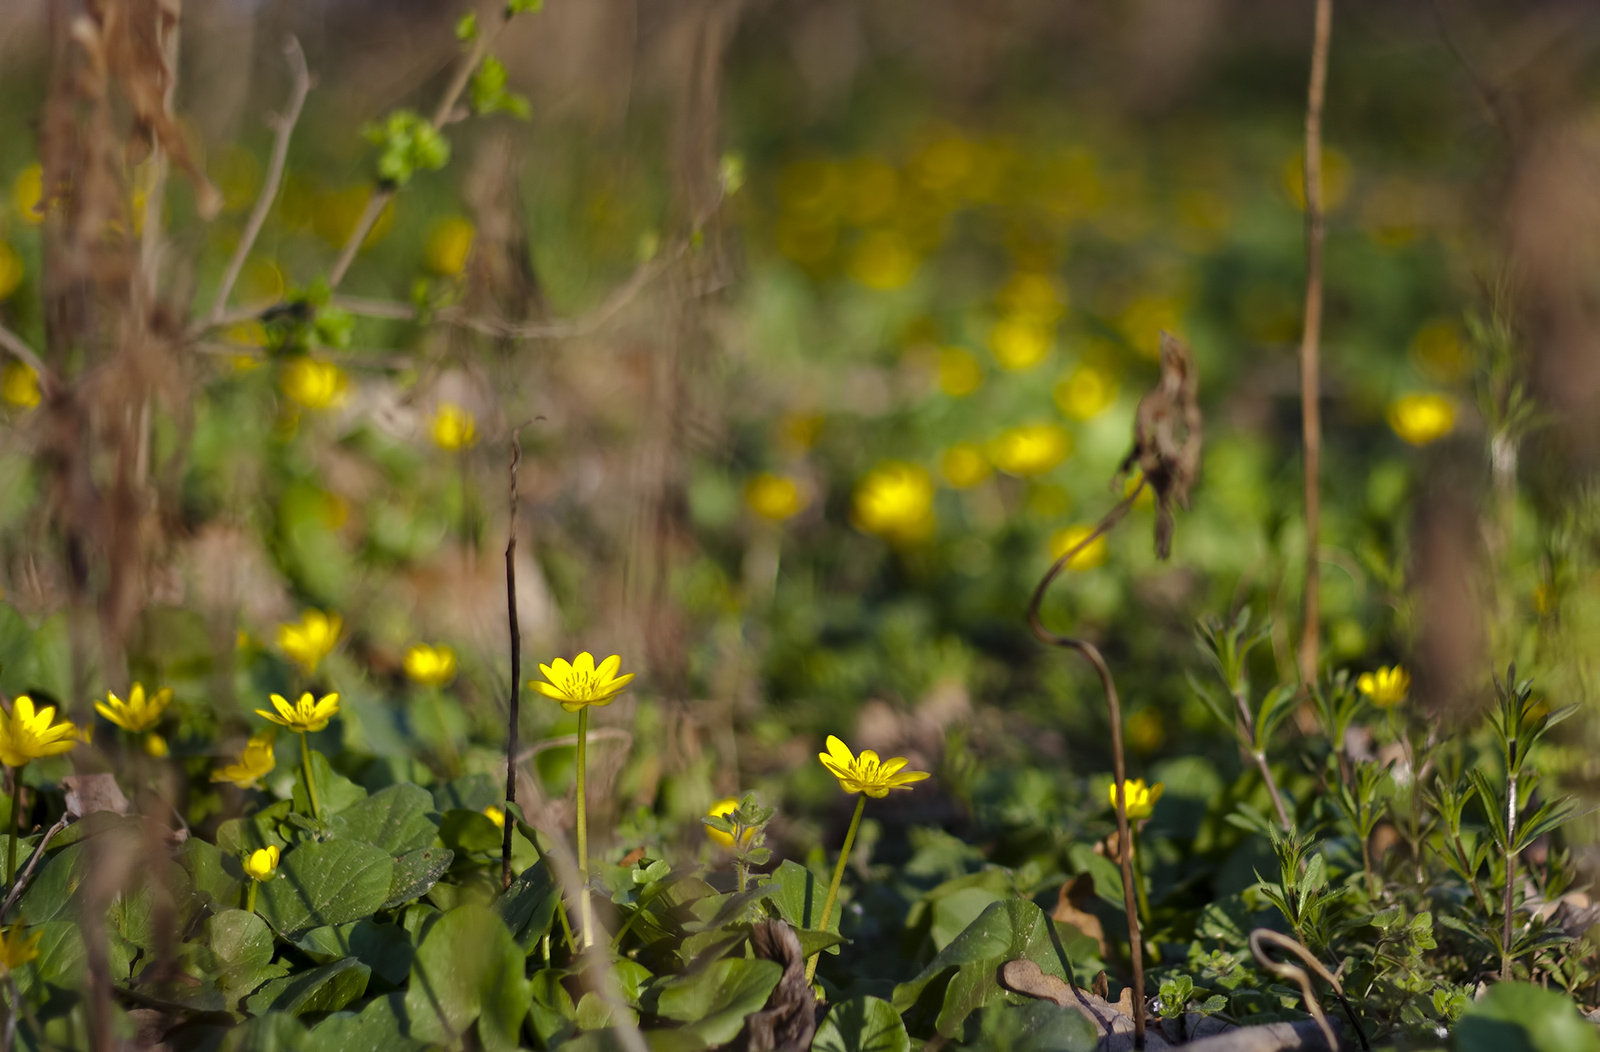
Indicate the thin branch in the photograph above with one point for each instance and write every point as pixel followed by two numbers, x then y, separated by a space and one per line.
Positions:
pixel 1091 653
pixel 1310 343
pixel 14 343
pixel 1261 938
pixel 18 885
pixel 514 707
pixel 284 127
pixel 441 116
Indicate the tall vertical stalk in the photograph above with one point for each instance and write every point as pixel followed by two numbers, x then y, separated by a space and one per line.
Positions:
pixel 514 702
pixel 1511 857
pixel 16 826
pixel 1310 344
pixel 838 878
pixel 311 776
pixel 585 908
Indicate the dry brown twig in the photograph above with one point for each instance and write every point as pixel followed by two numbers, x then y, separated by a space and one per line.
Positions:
pixel 283 125
pixel 1261 938
pixel 1166 450
pixel 1310 344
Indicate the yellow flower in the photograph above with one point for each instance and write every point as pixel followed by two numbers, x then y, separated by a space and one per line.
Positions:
pixel 313 639
pixel 1030 294
pixel 1385 688
pixel 314 384
pixel 495 815
pixel 581 683
pixel 960 372
pixel 139 713
pixel 10 270
pixel 1085 393
pixel 430 666
pixel 895 500
pixel 775 497
pixel 718 809
pixel 1020 343
pixel 453 427
pixel 882 260
pixel 254 763
pixel 866 773
pixel 156 746
pixel 964 465
pixel 449 245
pixel 26 734
pixel 26 192
pixel 19 384
pixel 1144 318
pixel 1422 418
pixel 1335 178
pixel 262 863
pixel 18 948
pixel 1141 799
pixel 304 716
pixel 1068 538
pixel 1031 449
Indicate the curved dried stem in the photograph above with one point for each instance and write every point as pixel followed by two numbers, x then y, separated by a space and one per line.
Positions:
pixel 1262 938
pixel 13 343
pixel 284 124
pixel 1091 654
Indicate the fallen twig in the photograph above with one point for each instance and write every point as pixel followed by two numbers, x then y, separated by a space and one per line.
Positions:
pixel 1261 938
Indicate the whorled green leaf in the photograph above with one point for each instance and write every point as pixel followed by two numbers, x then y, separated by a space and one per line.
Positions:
pixel 715 1000
pixel 963 977
pixel 326 988
pixel 398 819
pixel 415 873
pixel 468 971
pixel 862 1024
pixel 327 883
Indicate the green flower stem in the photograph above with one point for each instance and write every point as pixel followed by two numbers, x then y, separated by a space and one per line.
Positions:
pixel 585 908
pixel 1138 877
pixel 16 826
pixel 311 777
pixel 452 757
pixel 250 897
pixel 838 878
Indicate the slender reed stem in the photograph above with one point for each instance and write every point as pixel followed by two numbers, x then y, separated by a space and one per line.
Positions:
pixel 1138 876
pixel 585 907
pixel 838 878
pixel 311 776
pixel 514 702
pixel 1511 860
pixel 16 825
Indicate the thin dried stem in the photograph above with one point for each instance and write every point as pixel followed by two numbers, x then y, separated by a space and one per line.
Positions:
pixel 1261 938
pixel 1092 654
pixel 1310 344
pixel 21 883
pixel 13 343
pixel 441 116
pixel 514 704
pixel 284 127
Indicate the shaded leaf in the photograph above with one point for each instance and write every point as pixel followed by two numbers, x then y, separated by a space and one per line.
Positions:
pixel 327 883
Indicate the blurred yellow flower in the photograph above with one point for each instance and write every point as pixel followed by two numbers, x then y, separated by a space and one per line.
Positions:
pixel 1093 554
pixel 453 428
pixel 262 864
pixel 305 716
pixel 964 465
pixel 582 683
pixel 1031 449
pixel 253 764
pixel 718 809
pixel 943 163
pixel 1438 351
pixel 805 240
pixel 26 191
pixel 960 372
pixel 1033 295
pixel 235 171
pixel 800 431
pixel 1140 799
pixel 1385 688
pixel 895 500
pixel 495 815
pixel 1020 343
pixel 774 497
pixel 1143 320
pixel 262 280
pixel 155 746
pixel 871 188
pixel 312 639
pixel 430 666
pixel 139 713
pixel 17 948
pixel 882 260
pixel 314 384
pixel 1085 393
pixel 1146 730
pixel 30 734
pixel 10 270
pixel 1422 418
pixel 811 187
pixel 1335 179
pixel 337 212
pixel 19 384
pixel 866 773
pixel 449 245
